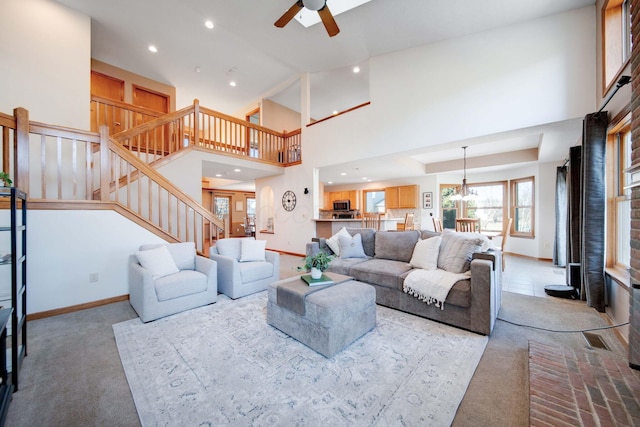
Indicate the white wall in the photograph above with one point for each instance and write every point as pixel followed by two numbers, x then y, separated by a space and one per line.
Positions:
pixel 45 62
pixel 533 73
pixel 64 247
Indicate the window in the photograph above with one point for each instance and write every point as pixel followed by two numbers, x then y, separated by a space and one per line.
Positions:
pixel 449 207
pixel 619 220
pixel 523 207
pixel 488 205
pixel 251 206
pixel 374 201
pixel 616 39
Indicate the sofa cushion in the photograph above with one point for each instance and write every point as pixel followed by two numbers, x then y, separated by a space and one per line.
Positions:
pixel 351 246
pixel 425 253
pixel 252 250
pixel 396 245
pixel 333 242
pixel 368 239
pixel 456 250
pixel 381 272
pixel 231 247
pixel 343 265
pixel 158 261
pixel 185 282
pixel 184 255
pixel 252 271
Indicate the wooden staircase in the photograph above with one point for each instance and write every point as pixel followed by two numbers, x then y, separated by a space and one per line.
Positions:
pixel 64 168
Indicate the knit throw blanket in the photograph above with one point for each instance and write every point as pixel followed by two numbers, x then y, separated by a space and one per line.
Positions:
pixel 432 286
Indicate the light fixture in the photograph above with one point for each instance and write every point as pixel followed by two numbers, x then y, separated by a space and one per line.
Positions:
pixel 463 192
pixel 232 83
pixel 237 170
pixel 314 4
pixel 208 24
pixel 356 69
pixel 153 49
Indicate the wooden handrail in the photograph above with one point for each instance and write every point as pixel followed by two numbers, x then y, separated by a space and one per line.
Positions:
pixel 151 124
pixel 125 106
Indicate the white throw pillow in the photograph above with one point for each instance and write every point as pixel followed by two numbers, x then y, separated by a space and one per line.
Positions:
pixel 333 242
pixel 425 253
pixel 158 261
pixel 252 250
pixel 351 247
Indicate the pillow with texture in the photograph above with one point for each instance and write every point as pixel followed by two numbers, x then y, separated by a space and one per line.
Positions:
pixel 351 247
pixel 252 250
pixel 456 250
pixel 183 254
pixel 425 253
pixel 333 243
pixel 158 261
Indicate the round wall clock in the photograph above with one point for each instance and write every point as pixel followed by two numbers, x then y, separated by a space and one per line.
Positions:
pixel 289 200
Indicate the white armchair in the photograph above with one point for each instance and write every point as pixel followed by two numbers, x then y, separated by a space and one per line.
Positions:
pixel 244 266
pixel 165 279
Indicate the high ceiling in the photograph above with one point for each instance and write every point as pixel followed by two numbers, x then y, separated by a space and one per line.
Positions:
pixel 246 47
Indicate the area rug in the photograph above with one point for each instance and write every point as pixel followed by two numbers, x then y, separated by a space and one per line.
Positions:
pixel 224 365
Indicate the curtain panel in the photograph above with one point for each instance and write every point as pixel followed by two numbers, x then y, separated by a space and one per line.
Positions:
pixel 594 144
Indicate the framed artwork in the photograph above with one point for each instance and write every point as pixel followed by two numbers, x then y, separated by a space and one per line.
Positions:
pixel 427 200
pixel 239 206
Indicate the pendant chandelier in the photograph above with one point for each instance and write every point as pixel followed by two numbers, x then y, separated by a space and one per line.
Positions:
pixel 463 192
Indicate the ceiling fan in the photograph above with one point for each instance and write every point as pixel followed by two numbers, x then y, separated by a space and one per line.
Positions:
pixel 318 5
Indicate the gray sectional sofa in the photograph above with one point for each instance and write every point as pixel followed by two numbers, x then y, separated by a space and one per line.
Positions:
pixel 471 304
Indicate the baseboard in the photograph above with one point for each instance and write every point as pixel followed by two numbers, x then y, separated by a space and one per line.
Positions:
pixel 72 308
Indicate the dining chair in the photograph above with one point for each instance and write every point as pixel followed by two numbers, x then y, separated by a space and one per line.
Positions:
pixel 437 224
pixel 471 225
pixel 408 221
pixel 505 234
pixel 371 220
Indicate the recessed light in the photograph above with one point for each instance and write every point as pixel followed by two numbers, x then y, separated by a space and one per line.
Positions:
pixel 218 175
pixel 343 173
pixel 364 178
pixel 329 182
pixel 153 49
pixel 209 24
pixel 335 112
pixel 356 69
pixel 237 170
pixel 232 83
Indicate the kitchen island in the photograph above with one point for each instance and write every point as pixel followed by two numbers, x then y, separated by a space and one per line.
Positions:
pixel 328 227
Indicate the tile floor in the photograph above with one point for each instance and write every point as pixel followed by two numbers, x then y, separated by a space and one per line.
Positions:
pixel 529 276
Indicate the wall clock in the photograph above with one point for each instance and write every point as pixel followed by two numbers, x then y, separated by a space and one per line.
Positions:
pixel 289 200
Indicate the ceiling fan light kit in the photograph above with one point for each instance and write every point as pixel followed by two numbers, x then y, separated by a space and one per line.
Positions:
pixel 319 6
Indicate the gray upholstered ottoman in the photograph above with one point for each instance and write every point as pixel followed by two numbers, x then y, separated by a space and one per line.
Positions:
pixel 333 317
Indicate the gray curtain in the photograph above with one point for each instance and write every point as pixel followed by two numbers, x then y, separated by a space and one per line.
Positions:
pixel 574 206
pixel 560 243
pixel 594 144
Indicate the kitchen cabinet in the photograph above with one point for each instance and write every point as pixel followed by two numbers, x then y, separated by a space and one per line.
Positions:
pixel 401 197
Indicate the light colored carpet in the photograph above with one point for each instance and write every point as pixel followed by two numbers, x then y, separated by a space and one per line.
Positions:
pixel 224 365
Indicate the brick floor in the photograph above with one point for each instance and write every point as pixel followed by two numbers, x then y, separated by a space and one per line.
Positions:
pixel 587 387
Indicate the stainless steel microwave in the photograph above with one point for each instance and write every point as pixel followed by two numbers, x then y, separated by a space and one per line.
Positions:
pixel 342 205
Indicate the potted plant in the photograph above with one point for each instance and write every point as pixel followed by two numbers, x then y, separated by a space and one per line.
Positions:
pixel 317 264
pixel 5 181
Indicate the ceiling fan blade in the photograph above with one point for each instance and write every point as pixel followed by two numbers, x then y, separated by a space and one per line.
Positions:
pixel 289 14
pixel 328 21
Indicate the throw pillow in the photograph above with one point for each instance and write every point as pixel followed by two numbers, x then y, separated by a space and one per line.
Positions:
pixel 183 254
pixel 425 253
pixel 158 261
pixel 456 250
pixel 252 250
pixel 351 247
pixel 333 243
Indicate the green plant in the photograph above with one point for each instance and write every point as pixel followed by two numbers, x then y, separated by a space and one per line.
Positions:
pixel 320 261
pixel 5 177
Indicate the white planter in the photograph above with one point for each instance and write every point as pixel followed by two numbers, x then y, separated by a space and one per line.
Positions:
pixel 315 273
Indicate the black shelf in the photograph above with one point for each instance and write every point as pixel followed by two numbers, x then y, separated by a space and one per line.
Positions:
pixel 6 388
pixel 18 310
